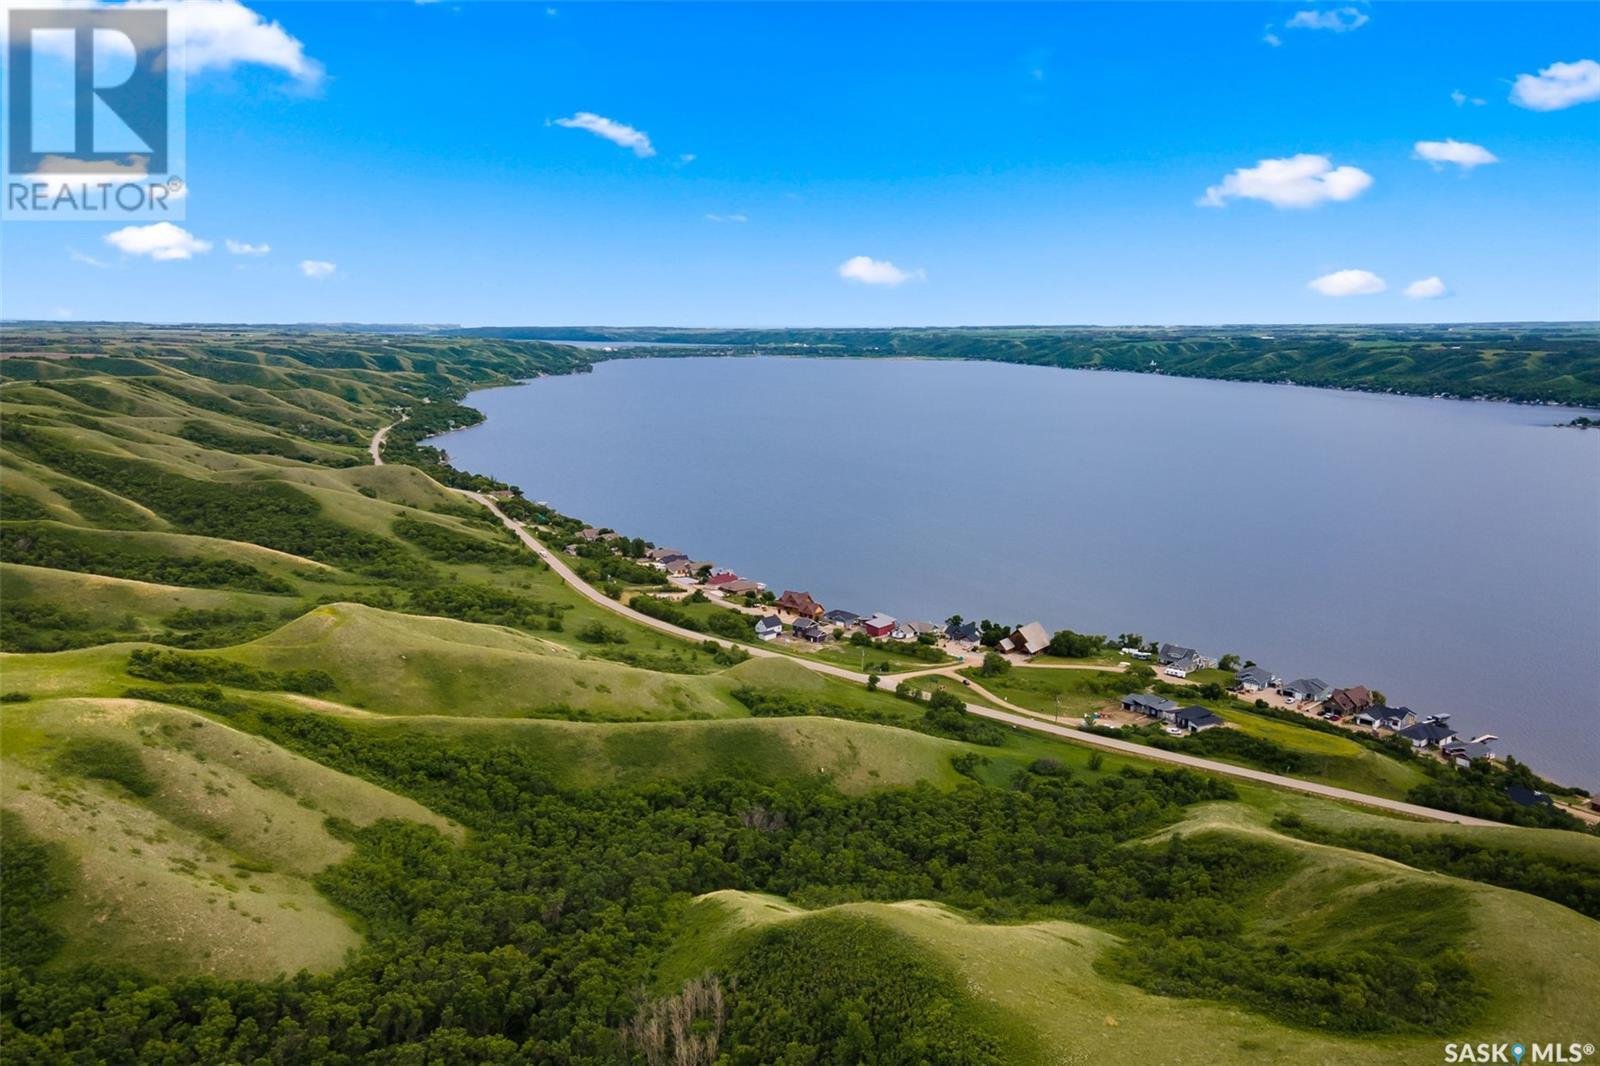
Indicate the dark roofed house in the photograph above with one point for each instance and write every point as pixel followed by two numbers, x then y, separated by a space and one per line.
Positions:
pixel 800 603
pixel 1394 717
pixel 1168 654
pixel 965 633
pixel 1466 752
pixel 1193 719
pixel 842 618
pixel 769 627
pixel 1309 689
pixel 664 555
pixel 1350 700
pixel 808 629
pixel 1432 733
pixel 1152 706
pixel 1528 797
pixel 1256 678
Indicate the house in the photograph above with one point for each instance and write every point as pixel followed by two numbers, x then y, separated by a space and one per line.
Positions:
pixel 1152 706
pixel 1369 719
pixel 1256 678
pixel 799 603
pixel 1030 639
pixel 1396 718
pixel 686 567
pixel 722 578
pixel 878 626
pixel 1464 752
pixel 1136 653
pixel 808 629
pixel 769 627
pixel 1350 700
pixel 1529 797
pixel 913 630
pixel 1432 732
pixel 589 534
pixel 1193 719
pixel 1180 658
pixel 663 555
pixel 966 633
pixel 1309 689
pixel 739 587
pixel 841 618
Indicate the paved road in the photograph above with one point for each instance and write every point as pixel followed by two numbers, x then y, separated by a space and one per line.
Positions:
pixel 1017 717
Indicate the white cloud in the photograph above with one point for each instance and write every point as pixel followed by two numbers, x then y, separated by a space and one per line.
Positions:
pixel 1348 283
pixel 617 133
pixel 159 240
pixel 1272 38
pixel 242 248
pixel 1463 154
pixel 222 34
pixel 727 218
pixel 87 260
pixel 869 271
pixel 1461 99
pixel 1558 86
pixel 1339 20
pixel 317 269
pixel 686 158
pixel 1299 181
pixel 1426 289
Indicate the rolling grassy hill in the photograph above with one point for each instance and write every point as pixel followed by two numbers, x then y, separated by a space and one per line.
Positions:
pixel 268 708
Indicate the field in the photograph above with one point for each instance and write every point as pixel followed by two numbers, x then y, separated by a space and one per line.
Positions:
pixel 268 709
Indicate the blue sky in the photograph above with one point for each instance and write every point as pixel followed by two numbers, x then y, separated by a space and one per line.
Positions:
pixel 979 164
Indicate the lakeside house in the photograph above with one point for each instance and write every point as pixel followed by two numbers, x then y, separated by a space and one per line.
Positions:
pixel 1175 657
pixel 1256 679
pixel 1150 706
pixel 1529 797
pixel 1307 690
pixel 721 578
pixel 1194 719
pixel 842 618
pixel 1349 701
pixel 966 633
pixel 799 603
pixel 1432 732
pixel 878 626
pixel 1136 653
pixel 1464 752
pixel 740 586
pixel 590 534
pixel 808 629
pixel 665 555
pixel 912 630
pixel 1395 718
pixel 687 567
pixel 1030 639
pixel 769 627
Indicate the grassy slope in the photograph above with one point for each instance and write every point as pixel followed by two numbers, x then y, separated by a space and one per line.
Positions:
pixel 211 871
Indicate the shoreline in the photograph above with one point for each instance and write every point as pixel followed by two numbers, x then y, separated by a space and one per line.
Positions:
pixel 437 441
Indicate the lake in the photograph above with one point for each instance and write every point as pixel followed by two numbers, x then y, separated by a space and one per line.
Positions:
pixel 1445 552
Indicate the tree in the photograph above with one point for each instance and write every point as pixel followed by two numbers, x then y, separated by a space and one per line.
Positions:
pixel 1069 645
pixel 872 682
pixel 954 620
pixel 1229 662
pixel 994 664
pixel 1379 698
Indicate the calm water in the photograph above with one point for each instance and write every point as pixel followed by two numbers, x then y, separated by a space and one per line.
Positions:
pixel 1447 553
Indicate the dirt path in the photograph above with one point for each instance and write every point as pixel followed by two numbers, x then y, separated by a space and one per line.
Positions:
pixel 376 448
pixel 1018 717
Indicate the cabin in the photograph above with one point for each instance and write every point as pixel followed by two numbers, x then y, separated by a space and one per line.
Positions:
pixel 769 627
pixel 1255 679
pixel 1307 689
pixel 800 603
pixel 1349 701
pixel 878 626
pixel 808 629
pixel 1030 639
pixel 1150 706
